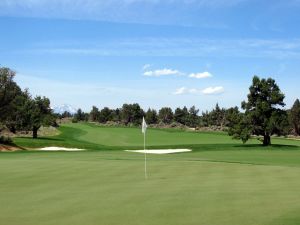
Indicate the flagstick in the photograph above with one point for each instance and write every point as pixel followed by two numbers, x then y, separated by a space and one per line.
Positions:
pixel 146 177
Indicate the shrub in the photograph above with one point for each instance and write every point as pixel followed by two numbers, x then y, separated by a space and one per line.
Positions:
pixel 5 140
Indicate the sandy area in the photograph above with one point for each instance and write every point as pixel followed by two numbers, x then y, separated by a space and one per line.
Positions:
pixel 61 149
pixel 8 148
pixel 160 151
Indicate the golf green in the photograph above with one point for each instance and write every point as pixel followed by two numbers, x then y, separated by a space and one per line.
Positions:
pixel 221 182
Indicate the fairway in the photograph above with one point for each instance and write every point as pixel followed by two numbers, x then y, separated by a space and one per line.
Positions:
pixel 221 182
pixel 91 136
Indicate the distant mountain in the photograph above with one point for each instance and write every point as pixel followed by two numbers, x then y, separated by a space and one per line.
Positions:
pixel 65 107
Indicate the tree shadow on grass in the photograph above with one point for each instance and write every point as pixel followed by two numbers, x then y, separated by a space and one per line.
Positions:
pixel 270 147
pixel 40 138
pixel 230 147
pixel 207 147
pixel 10 147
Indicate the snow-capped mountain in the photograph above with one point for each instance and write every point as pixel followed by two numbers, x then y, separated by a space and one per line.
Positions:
pixel 65 107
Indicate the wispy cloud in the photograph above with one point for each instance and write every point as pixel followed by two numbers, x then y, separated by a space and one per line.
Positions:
pixel 200 75
pixel 180 91
pixel 213 90
pixel 184 90
pixel 168 72
pixel 105 3
pixel 206 91
pixel 138 11
pixel 176 47
pixel 162 72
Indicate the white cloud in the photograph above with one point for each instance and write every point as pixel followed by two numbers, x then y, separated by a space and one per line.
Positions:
pixel 137 11
pixel 200 75
pixel 184 90
pixel 206 91
pixel 180 91
pixel 162 72
pixel 165 47
pixel 194 91
pixel 213 90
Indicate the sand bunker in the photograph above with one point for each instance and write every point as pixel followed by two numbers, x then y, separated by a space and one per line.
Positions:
pixel 61 149
pixel 160 151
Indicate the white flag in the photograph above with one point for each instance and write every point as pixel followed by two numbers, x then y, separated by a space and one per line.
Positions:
pixel 144 126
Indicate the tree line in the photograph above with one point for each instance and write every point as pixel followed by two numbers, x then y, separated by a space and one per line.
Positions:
pixel 262 114
pixel 132 114
pixel 19 111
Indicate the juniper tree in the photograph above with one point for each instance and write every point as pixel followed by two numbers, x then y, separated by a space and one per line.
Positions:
pixel 263 115
pixel 295 116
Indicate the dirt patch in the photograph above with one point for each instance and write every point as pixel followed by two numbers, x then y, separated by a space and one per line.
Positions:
pixel 9 148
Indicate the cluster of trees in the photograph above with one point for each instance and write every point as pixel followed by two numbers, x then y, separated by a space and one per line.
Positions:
pixel 294 117
pixel 133 114
pixel 262 114
pixel 19 111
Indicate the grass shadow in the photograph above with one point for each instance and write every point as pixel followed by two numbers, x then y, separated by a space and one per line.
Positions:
pixel 260 146
pixel 210 147
pixel 41 138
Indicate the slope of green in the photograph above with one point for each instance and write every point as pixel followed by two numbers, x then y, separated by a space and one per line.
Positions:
pixel 95 137
pixel 221 182
pixel 108 187
pixel 90 136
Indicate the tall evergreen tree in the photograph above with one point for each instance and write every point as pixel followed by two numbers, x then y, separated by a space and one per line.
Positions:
pixel 105 115
pixel 193 119
pixel 263 114
pixel 218 116
pixel 165 115
pixel 66 114
pixel 132 113
pixel 79 115
pixel 37 112
pixel 9 90
pixel 151 116
pixel 94 114
pixel 295 116
pixel 116 115
pixel 179 115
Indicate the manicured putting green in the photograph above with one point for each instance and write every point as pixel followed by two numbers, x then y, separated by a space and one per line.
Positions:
pixel 108 187
pixel 220 182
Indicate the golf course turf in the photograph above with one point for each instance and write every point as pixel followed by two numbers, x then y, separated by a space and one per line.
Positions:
pixel 221 182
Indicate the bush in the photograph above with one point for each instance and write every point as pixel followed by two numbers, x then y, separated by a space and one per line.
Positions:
pixel 74 120
pixel 54 124
pixel 5 140
pixel 112 124
pixel 176 125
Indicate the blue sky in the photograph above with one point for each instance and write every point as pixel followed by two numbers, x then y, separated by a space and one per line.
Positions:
pixel 157 53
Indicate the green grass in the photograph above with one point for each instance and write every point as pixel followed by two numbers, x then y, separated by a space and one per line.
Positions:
pixel 221 182
pixel 92 136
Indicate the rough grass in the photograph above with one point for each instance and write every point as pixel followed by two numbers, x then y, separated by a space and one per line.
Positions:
pixel 221 182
